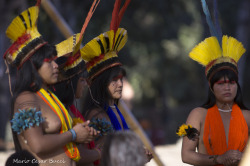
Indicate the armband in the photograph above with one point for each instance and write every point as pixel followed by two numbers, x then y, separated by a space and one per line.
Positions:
pixel 102 125
pixel 187 130
pixel 24 119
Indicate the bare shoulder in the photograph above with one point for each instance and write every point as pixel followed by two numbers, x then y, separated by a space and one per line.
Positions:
pixel 97 113
pixel 26 100
pixel 246 114
pixel 198 112
pixel 196 117
pixel 26 95
pixel 246 111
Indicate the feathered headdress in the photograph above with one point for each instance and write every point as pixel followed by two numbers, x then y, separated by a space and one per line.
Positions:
pixel 100 53
pixel 68 51
pixel 25 37
pixel 217 52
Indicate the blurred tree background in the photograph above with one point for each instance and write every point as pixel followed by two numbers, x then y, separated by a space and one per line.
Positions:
pixel 167 83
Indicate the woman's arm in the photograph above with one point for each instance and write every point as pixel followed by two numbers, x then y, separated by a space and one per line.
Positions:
pixel 88 155
pixel 100 114
pixel 39 141
pixel 188 152
pixel 43 143
pixel 246 114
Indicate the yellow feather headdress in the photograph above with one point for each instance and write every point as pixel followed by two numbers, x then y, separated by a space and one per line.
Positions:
pixel 100 53
pixel 217 52
pixel 25 37
pixel 69 58
pixel 68 51
pixel 210 54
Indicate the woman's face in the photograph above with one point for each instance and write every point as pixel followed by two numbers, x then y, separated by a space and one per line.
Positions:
pixel 225 90
pixel 115 87
pixel 49 71
pixel 81 83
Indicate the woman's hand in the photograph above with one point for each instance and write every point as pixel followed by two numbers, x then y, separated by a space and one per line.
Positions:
pixel 230 158
pixel 148 154
pixel 84 133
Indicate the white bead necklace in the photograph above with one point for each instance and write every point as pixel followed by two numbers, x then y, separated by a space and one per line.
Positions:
pixel 221 110
pixel 112 106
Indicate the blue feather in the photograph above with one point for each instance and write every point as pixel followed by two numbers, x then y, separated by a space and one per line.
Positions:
pixel 209 20
pixel 217 24
pixel 25 119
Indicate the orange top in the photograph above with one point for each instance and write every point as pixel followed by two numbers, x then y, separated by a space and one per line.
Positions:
pixel 214 137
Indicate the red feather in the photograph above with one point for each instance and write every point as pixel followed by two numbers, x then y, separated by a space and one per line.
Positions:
pixel 122 11
pixel 38 3
pixel 21 40
pixel 90 13
pixel 95 60
pixel 117 15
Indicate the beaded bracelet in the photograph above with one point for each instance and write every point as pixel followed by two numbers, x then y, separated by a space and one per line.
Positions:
pixel 73 134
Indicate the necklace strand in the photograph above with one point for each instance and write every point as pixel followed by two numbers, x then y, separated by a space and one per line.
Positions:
pixel 221 110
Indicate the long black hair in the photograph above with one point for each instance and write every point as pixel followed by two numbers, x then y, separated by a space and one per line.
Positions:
pixel 232 76
pixel 28 78
pixel 99 96
pixel 65 90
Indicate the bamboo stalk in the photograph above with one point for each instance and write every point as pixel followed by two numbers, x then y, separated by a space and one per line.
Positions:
pixel 57 18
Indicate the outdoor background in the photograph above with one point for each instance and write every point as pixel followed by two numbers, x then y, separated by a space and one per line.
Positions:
pixel 166 83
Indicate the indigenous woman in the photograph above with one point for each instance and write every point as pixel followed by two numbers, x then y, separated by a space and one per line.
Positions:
pixel 40 124
pixel 105 77
pixel 68 91
pixel 72 81
pixel 223 121
pixel 105 74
